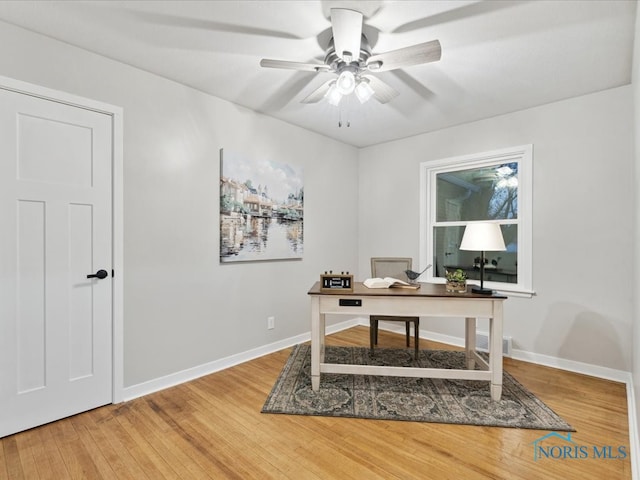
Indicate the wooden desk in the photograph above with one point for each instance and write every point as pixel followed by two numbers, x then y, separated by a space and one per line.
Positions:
pixel 429 300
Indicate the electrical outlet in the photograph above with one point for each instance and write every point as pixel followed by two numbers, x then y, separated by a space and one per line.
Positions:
pixel 271 323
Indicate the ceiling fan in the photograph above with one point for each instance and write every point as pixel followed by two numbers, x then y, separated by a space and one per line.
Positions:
pixel 349 56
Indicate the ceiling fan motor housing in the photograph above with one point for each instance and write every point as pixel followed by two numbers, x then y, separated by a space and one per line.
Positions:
pixel 356 66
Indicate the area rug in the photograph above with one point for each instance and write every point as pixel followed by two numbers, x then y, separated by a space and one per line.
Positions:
pixel 464 402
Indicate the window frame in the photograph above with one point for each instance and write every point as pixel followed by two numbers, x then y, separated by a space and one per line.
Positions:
pixel 428 207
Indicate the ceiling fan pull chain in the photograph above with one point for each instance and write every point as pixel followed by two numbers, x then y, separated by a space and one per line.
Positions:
pixel 347 121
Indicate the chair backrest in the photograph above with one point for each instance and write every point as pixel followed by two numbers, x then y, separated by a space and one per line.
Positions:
pixel 390 267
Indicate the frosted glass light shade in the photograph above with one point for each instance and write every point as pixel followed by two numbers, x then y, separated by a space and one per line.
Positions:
pixel 485 237
pixel 346 82
pixel 333 96
pixel 364 91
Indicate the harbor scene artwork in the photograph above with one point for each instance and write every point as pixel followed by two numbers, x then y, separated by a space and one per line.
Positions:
pixel 261 209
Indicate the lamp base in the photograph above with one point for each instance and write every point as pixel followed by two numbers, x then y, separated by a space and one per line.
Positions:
pixel 482 291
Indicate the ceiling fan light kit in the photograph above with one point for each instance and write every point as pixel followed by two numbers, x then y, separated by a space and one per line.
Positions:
pixel 349 56
pixel 346 84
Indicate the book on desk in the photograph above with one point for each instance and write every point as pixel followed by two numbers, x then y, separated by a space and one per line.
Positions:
pixel 389 282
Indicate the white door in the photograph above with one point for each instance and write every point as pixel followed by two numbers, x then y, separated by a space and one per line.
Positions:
pixel 55 229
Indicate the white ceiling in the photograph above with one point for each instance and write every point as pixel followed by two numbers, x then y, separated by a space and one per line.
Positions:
pixel 497 56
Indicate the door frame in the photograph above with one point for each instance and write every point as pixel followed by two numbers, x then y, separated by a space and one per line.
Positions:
pixel 116 113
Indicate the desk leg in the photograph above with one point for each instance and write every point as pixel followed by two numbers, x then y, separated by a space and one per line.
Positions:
pixel 495 351
pixel 470 341
pixel 317 341
pixel 323 335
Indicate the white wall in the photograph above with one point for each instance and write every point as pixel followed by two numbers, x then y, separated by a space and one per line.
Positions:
pixel 182 308
pixel 582 220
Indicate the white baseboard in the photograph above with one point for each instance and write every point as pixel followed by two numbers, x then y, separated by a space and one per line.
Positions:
pixel 539 359
pixel 573 366
pixel 157 384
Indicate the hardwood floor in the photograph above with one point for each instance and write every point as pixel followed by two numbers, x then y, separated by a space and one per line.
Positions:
pixel 212 428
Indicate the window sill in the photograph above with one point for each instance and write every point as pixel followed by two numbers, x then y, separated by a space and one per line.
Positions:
pixel 517 293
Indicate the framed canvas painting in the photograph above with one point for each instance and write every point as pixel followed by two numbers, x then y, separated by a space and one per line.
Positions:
pixel 261 209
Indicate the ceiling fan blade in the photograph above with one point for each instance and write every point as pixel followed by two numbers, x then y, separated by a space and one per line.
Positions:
pixel 405 57
pixel 381 91
pixel 347 32
pixel 179 21
pixel 318 94
pixel 305 67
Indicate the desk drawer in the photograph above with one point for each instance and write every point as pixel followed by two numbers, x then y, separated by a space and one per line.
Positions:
pixel 406 306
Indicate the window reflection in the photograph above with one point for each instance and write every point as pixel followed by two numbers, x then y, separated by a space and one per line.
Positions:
pixel 485 193
pixel 477 194
pixel 499 266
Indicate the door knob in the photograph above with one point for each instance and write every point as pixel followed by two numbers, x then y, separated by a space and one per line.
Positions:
pixel 99 274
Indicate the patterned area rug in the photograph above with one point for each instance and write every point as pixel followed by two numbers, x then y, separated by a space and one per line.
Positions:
pixel 403 398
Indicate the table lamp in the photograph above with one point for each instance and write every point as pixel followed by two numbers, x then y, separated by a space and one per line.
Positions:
pixel 482 237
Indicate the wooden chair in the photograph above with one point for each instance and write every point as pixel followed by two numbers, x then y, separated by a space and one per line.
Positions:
pixel 392 267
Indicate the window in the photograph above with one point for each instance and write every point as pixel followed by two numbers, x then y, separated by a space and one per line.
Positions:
pixel 492 186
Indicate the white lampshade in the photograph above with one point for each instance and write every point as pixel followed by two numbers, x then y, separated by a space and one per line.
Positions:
pixel 485 237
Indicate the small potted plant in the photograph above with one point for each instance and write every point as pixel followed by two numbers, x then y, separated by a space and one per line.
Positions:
pixel 456 281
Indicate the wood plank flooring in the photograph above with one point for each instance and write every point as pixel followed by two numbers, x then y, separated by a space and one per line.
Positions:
pixel 212 428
